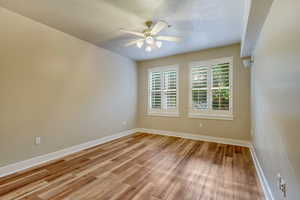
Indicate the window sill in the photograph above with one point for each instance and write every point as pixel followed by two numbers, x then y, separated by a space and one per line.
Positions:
pixel 211 116
pixel 163 114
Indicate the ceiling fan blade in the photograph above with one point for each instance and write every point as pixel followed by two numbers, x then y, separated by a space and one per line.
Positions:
pixel 133 32
pixel 133 42
pixel 168 38
pixel 160 25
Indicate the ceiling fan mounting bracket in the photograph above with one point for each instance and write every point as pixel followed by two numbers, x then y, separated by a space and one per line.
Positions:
pixel 149 24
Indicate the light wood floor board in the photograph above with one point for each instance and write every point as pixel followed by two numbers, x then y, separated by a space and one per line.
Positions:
pixel 141 167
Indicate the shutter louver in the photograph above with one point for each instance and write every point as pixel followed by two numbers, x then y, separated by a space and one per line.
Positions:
pixel 220 86
pixel 200 88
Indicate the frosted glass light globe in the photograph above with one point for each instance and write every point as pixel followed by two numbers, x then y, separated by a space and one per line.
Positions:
pixel 158 44
pixel 148 49
pixel 139 44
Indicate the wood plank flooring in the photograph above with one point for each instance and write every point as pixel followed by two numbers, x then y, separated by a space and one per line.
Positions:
pixel 141 167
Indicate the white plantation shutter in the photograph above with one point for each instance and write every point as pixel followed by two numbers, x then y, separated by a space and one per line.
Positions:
pixel 156 90
pixel 170 87
pixel 200 88
pixel 220 86
pixel 211 89
pixel 163 95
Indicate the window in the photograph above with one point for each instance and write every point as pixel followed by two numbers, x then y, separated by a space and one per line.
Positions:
pixel 211 89
pixel 163 92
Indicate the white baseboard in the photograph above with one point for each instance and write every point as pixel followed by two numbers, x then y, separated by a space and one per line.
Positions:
pixel 19 166
pixel 244 143
pixel 264 182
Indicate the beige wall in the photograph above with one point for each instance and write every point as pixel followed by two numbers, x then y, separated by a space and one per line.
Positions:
pixel 60 88
pixel 239 128
pixel 276 96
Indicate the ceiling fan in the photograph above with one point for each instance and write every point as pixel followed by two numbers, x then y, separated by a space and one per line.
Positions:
pixel 149 37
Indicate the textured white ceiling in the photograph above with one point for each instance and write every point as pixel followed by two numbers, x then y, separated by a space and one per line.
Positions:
pixel 201 23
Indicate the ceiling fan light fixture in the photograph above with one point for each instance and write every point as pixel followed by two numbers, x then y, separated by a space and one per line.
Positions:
pixel 158 44
pixel 148 49
pixel 149 40
pixel 139 44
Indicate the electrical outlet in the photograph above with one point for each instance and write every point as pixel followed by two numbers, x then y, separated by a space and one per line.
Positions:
pixel 38 140
pixel 200 125
pixel 124 123
pixel 282 185
pixel 283 188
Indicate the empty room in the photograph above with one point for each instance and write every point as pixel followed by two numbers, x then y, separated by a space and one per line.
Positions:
pixel 149 100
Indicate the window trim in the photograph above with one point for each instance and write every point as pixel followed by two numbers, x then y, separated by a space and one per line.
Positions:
pixel 209 114
pixel 163 112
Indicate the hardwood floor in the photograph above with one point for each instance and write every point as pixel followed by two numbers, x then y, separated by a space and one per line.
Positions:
pixel 141 167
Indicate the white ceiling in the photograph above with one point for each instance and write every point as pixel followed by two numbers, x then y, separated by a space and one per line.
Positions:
pixel 201 23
